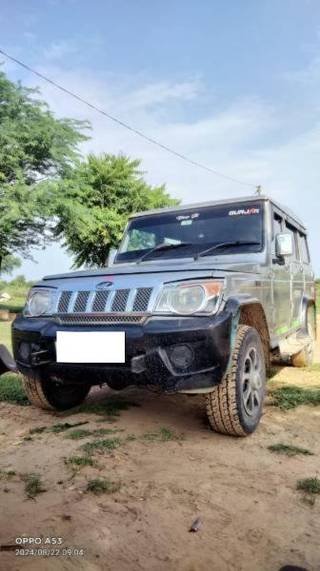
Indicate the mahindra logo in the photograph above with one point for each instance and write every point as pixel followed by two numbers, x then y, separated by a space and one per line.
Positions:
pixel 103 285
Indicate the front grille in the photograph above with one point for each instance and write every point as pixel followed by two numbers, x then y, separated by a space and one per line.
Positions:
pixel 106 303
pixel 86 319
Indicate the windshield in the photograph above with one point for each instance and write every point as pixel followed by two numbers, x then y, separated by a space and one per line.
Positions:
pixel 196 230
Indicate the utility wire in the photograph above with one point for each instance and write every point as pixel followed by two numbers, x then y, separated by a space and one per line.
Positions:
pixel 125 125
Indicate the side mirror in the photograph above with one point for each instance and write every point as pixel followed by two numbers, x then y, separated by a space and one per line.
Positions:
pixel 284 245
pixel 111 256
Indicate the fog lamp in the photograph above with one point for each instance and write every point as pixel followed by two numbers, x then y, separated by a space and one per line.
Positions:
pixel 182 356
pixel 24 351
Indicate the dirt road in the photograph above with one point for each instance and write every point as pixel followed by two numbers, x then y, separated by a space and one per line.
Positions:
pixel 171 469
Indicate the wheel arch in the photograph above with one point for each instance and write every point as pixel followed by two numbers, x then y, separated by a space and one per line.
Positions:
pixel 249 311
pixel 308 302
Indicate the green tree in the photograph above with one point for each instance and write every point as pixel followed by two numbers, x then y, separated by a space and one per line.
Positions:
pixel 35 148
pixel 10 263
pixel 94 202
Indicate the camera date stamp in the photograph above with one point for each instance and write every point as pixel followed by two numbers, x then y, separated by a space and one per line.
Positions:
pixel 46 547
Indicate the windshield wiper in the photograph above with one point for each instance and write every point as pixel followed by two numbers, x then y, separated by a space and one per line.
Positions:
pixel 225 244
pixel 162 246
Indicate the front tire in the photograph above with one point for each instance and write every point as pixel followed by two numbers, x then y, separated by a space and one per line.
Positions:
pixel 235 406
pixel 52 394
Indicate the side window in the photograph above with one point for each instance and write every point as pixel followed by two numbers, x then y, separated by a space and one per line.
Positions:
pixel 277 229
pixel 303 247
pixel 292 230
pixel 277 225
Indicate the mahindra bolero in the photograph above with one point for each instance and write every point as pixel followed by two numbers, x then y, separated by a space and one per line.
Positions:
pixel 197 299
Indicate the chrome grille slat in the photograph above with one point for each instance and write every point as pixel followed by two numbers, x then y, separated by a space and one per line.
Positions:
pixel 72 301
pixel 110 301
pixel 90 301
pixel 130 300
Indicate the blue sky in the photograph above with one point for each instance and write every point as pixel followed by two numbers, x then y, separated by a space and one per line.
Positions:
pixel 235 85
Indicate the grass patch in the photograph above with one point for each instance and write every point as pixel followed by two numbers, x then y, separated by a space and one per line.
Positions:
pixel 78 433
pixel 105 431
pixel 7 474
pixel 109 408
pixel 32 485
pixel 162 435
pixel 80 461
pixel 62 426
pixel 83 433
pixel 102 486
pixel 11 390
pixel 309 485
pixel 5 333
pixel 289 450
pixel 291 397
pixel 106 445
pixel 17 288
pixel 14 305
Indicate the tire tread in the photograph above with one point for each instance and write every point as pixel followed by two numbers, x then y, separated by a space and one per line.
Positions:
pixel 221 403
pixel 35 393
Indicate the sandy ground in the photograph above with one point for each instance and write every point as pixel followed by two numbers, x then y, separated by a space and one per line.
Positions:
pixel 253 518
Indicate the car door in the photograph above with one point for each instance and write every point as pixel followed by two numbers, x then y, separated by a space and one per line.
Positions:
pixel 280 274
pixel 296 279
pixel 306 264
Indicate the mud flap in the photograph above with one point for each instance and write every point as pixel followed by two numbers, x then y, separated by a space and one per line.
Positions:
pixel 7 362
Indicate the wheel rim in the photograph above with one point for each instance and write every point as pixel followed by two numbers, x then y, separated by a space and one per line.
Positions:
pixel 252 382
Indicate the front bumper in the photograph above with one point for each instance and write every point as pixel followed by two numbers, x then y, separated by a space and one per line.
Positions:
pixel 151 354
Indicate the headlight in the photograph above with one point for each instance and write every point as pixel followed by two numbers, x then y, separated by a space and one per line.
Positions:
pixel 190 297
pixel 39 302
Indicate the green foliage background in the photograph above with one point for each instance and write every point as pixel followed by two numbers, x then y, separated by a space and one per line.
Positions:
pixel 95 200
pixel 34 147
pixel 47 193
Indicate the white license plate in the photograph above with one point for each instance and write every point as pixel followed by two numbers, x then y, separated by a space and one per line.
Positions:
pixel 90 347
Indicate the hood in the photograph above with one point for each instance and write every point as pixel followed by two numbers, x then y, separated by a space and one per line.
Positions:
pixel 152 267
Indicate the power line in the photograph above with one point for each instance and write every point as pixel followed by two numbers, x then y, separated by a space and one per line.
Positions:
pixel 125 125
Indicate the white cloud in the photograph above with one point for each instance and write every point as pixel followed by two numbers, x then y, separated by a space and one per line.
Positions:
pixel 161 92
pixel 58 50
